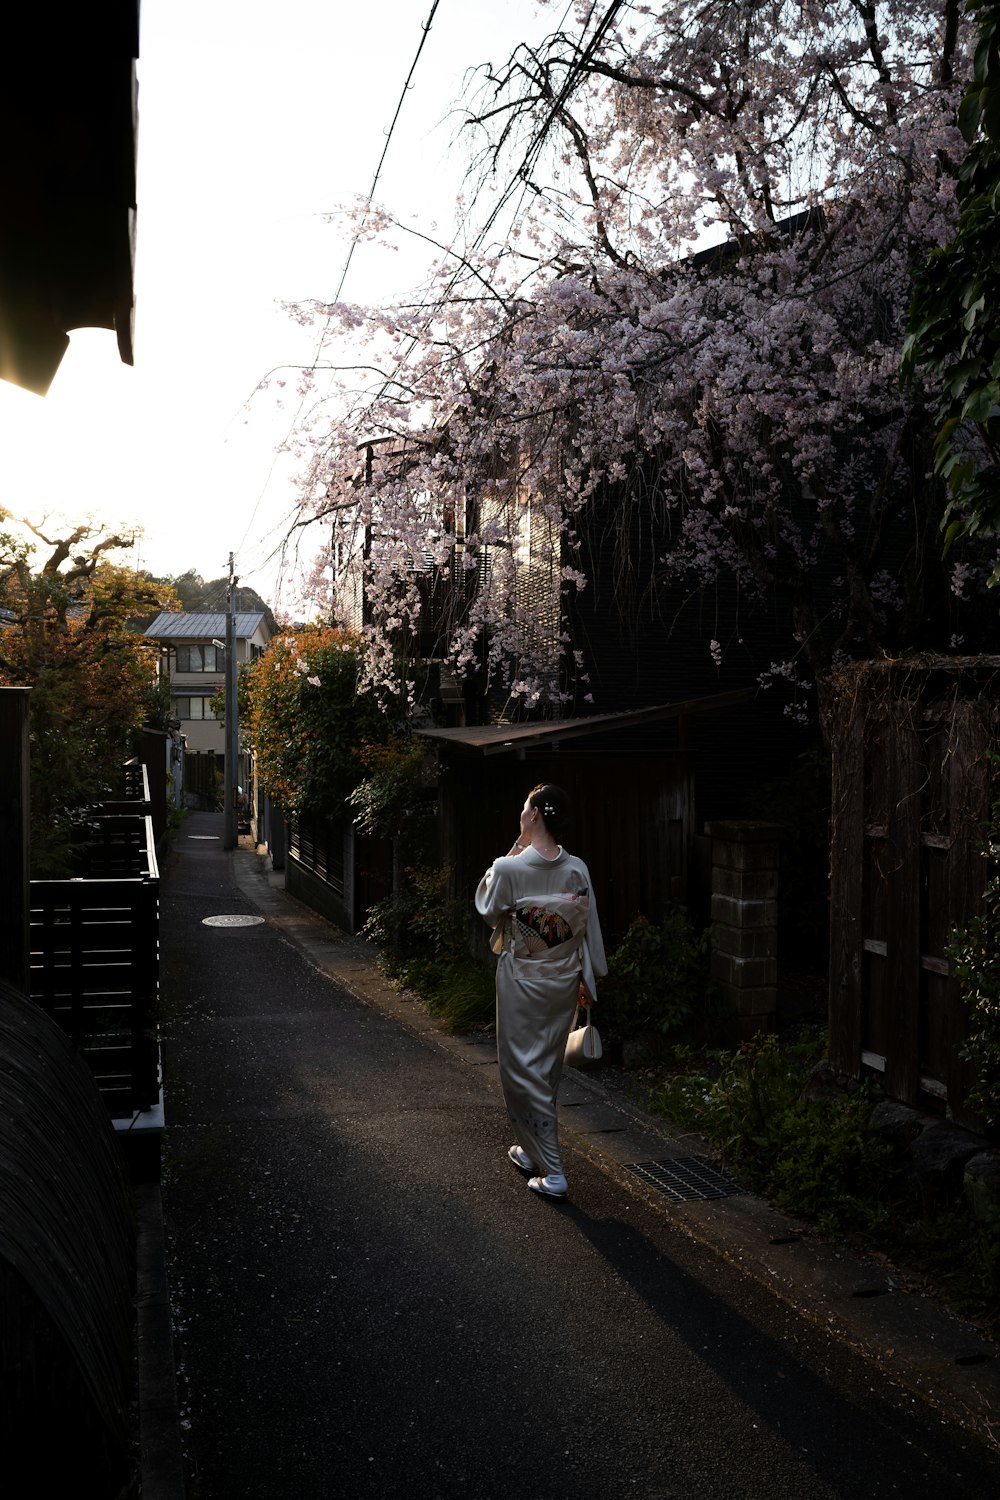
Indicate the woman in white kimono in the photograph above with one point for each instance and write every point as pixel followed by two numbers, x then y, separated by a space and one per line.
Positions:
pixel 540 902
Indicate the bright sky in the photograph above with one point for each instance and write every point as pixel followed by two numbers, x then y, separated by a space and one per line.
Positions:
pixel 256 119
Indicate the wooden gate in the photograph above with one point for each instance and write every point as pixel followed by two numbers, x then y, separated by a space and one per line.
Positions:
pixel 911 803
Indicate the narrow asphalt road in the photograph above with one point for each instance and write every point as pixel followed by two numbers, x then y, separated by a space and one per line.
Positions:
pixel 368 1301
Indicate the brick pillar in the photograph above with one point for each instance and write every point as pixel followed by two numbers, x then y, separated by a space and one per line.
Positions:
pixel 745 919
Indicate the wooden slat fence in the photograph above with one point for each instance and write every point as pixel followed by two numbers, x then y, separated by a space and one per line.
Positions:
pixel 136 794
pixel 94 961
pixel 911 803
pixel 318 846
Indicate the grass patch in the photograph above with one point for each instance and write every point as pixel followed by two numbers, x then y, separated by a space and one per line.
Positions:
pixel 461 993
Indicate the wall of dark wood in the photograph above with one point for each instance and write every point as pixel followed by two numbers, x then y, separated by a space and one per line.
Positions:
pixel 911 802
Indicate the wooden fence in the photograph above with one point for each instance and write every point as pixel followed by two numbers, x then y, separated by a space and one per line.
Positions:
pixel 136 798
pixel 911 803
pixel 94 960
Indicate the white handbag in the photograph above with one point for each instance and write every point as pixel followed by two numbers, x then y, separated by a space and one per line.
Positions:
pixel 583 1045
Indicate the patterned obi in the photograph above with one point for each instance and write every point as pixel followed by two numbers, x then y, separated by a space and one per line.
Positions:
pixel 545 927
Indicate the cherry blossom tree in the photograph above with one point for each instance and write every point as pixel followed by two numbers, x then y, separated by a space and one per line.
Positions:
pixel 680 290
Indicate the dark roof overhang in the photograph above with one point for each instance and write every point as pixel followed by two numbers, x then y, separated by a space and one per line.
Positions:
pixel 499 739
pixel 67 182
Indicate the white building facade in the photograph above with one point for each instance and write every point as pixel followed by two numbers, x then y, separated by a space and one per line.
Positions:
pixel 193 660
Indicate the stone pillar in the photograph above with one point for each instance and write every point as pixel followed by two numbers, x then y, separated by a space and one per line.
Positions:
pixel 745 919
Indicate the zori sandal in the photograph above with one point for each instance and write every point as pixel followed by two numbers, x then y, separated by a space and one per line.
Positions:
pixel 521 1159
pixel 548 1187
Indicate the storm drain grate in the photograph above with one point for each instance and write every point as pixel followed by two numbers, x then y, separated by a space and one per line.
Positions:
pixel 685 1178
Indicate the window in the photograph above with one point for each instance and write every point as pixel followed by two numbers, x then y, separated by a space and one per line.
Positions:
pixel 198 659
pixel 194 708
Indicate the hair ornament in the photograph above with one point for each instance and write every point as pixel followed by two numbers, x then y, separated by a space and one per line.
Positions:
pixel 548 810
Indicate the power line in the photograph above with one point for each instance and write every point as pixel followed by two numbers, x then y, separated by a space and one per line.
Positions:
pixel 378 170
pixel 585 51
pixel 573 75
pixel 425 31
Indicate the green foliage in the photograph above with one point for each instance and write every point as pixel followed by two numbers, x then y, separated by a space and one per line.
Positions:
pixel 398 771
pixel 954 327
pixel 739 1096
pixel 156 698
pixel 658 978
pixel 176 816
pixel 422 936
pixel 975 955
pixel 975 958
pixel 985 1240
pixel 960 1252
pixel 833 1166
pixel 822 1160
pixel 306 721
pixel 819 1159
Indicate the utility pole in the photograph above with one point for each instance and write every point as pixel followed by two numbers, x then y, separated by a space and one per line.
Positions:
pixel 232 740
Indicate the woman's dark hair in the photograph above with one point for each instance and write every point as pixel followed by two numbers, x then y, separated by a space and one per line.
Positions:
pixel 554 805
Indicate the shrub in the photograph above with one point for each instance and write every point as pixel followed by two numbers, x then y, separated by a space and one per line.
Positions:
pixel 833 1166
pixel 422 936
pixel 307 718
pixel 820 1159
pixel 658 978
pixel 823 1161
pixel 741 1097
pixel 975 957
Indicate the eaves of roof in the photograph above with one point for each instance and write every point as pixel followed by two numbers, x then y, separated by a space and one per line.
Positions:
pixel 498 739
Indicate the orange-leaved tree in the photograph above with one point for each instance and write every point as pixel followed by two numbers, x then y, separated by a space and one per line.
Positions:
pixel 306 722
pixel 68 630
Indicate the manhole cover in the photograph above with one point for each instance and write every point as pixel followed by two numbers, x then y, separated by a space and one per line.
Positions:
pixel 685 1178
pixel 232 921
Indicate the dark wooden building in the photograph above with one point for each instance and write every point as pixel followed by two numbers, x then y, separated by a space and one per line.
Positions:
pixel 629 775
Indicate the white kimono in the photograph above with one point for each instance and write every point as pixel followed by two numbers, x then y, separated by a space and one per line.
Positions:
pixel 547 938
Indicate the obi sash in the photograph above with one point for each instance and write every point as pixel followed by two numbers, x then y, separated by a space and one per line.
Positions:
pixel 543 927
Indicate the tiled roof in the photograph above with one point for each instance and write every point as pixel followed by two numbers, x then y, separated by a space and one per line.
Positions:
pixel 181 627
